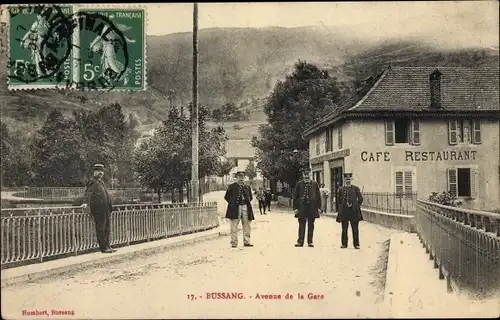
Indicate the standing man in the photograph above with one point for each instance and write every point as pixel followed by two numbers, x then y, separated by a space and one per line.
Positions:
pixel 350 200
pixel 261 197
pixel 325 193
pixel 239 207
pixel 306 205
pixel 97 196
pixel 269 198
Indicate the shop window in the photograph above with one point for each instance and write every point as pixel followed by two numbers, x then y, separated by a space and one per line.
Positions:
pixel 462 182
pixel 464 131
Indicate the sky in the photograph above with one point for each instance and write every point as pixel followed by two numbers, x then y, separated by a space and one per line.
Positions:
pixel 448 23
pixel 461 22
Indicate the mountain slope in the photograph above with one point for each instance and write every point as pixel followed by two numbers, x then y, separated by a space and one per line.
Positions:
pixel 239 64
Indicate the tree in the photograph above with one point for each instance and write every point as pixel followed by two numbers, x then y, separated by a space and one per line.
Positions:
pixel 251 171
pixel 225 168
pixel 58 152
pixel 164 161
pixel 296 103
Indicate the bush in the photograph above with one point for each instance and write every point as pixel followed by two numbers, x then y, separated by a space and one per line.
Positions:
pixel 6 204
pixel 146 197
pixel 445 198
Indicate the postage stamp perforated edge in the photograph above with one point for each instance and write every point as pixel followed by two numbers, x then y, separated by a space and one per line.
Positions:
pixel 83 7
pixel 31 86
pixel 76 8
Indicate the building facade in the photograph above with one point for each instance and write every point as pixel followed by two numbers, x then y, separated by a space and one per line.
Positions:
pixel 416 130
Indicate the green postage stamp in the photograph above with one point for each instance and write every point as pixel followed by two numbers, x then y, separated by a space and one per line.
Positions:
pixel 72 46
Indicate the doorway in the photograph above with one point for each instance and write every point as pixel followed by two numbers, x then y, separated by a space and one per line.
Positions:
pixel 337 182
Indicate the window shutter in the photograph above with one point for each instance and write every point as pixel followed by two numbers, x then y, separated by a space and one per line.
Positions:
pixel 408 182
pixel 476 131
pixel 452 182
pixel 327 140
pixel 389 132
pixel 473 183
pixel 399 183
pixel 415 132
pixel 452 132
pixel 340 138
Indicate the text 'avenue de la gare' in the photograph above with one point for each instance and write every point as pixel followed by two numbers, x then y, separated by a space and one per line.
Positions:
pixel 256 296
pixel 421 156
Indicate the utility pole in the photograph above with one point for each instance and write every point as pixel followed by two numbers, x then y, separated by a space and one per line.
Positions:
pixel 194 112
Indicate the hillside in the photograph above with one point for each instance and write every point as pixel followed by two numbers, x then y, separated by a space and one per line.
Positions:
pixel 237 65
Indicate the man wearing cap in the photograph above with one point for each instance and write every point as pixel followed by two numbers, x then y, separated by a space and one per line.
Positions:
pixel 268 197
pixel 306 206
pixel 350 200
pixel 96 195
pixel 239 207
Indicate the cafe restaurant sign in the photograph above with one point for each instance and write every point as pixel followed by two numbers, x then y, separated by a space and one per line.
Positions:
pixel 420 156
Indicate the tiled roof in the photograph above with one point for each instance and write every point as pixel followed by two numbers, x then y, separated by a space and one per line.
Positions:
pixel 461 89
pixel 350 102
pixel 408 89
pixel 241 149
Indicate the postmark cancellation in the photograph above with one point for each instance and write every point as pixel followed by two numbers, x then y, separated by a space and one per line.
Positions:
pixel 76 47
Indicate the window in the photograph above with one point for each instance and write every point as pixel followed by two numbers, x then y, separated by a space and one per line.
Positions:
pixel 402 131
pixel 317 145
pixel 462 182
pixel 339 137
pixel 404 182
pixel 464 131
pixel 328 141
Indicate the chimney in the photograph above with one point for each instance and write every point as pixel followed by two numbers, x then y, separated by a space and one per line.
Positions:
pixel 435 84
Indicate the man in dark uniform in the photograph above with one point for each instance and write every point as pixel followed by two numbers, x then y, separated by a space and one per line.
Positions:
pixel 306 206
pixel 96 195
pixel 269 197
pixel 239 207
pixel 350 200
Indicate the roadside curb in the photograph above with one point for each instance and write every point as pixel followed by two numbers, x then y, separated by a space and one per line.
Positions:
pixel 79 263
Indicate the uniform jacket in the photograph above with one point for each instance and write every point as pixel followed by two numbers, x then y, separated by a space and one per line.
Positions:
pixel 307 210
pixel 231 198
pixel 260 196
pixel 268 196
pixel 352 195
pixel 97 197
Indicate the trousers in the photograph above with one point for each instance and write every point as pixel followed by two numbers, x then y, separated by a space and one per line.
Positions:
pixel 355 232
pixel 302 230
pixel 102 229
pixel 243 216
pixel 262 206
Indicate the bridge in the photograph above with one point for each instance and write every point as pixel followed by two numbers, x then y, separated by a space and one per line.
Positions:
pixel 175 261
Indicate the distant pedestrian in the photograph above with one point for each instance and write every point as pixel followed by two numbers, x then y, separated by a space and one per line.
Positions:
pixel 269 198
pixel 325 194
pixel 350 200
pixel 261 198
pixel 97 197
pixel 306 206
pixel 239 207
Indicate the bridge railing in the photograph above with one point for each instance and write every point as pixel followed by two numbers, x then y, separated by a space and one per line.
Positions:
pixel 70 192
pixel 405 204
pixel 34 234
pixel 464 244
